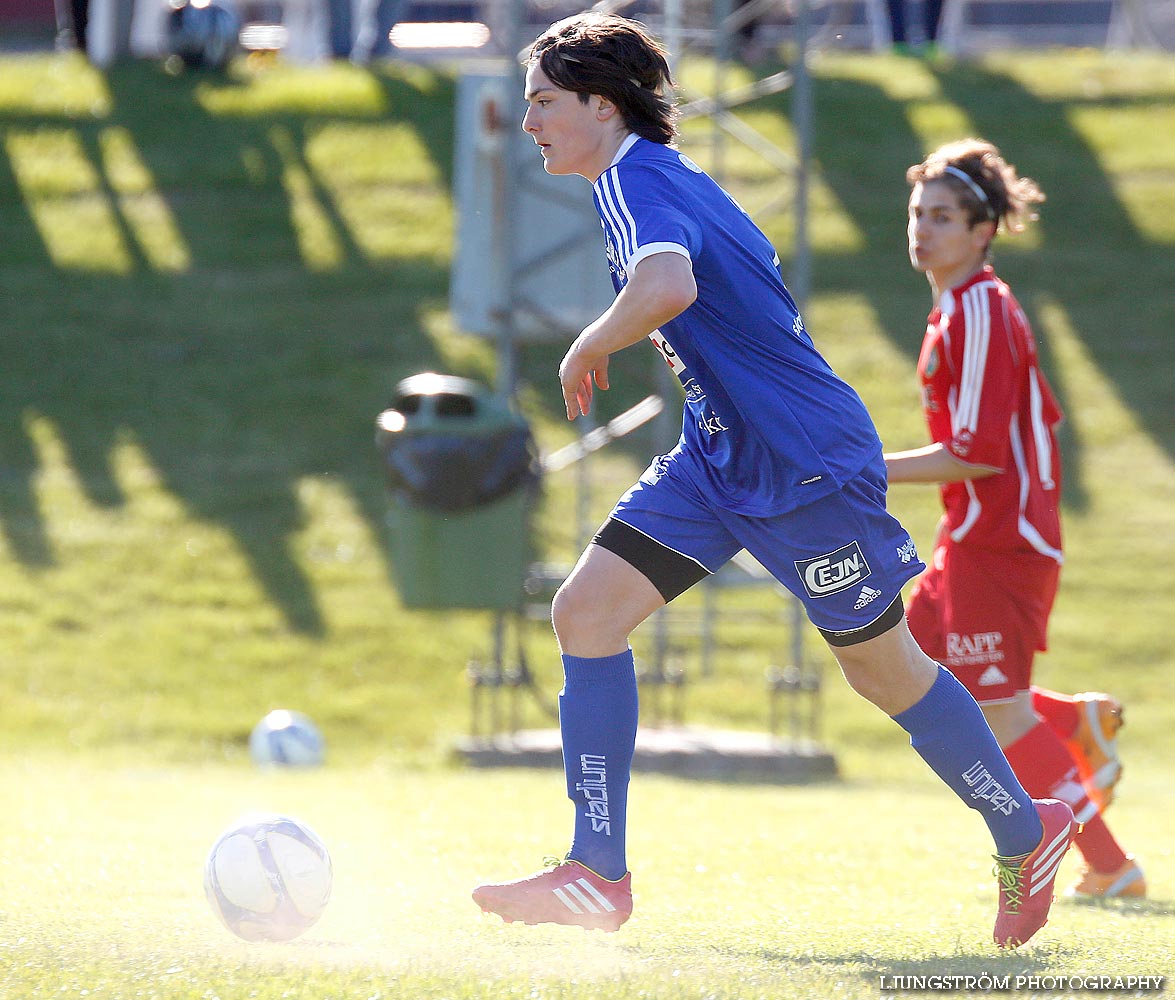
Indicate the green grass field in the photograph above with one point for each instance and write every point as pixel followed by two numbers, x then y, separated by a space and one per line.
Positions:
pixel 209 288
pixel 102 889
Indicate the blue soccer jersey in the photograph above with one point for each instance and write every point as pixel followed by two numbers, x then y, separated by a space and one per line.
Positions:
pixel 768 426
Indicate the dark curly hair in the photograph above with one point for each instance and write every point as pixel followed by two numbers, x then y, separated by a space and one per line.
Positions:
pixel 615 58
pixel 1000 194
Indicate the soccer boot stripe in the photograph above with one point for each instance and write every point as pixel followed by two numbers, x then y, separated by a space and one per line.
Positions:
pixel 1045 876
pixel 573 889
pixel 567 893
pixel 566 900
pixel 581 896
pixel 596 894
pixel 1050 860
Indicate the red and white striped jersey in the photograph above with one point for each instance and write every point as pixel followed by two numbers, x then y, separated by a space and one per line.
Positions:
pixel 987 401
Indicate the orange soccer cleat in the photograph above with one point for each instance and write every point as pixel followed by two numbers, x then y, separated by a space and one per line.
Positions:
pixel 1094 745
pixel 1126 881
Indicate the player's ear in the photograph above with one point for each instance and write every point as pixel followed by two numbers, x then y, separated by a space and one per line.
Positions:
pixel 605 109
pixel 983 233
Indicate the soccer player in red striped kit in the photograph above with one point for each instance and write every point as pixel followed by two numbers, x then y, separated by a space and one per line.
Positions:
pixel 982 607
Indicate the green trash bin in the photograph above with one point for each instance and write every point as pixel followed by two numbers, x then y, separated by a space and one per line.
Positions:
pixel 463 472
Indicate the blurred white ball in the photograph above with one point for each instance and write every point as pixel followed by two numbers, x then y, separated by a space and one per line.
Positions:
pixel 286 739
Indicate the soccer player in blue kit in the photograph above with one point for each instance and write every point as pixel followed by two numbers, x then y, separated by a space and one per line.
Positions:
pixel 777 455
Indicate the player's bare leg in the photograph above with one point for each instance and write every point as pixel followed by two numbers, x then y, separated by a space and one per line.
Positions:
pixel 600 604
pixel 891 670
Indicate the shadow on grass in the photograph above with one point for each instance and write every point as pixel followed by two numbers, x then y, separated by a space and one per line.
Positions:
pixel 245 372
pixel 984 960
pixel 237 376
pixel 1125 907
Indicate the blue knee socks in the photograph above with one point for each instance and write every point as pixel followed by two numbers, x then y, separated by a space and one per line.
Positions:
pixel 598 721
pixel 948 730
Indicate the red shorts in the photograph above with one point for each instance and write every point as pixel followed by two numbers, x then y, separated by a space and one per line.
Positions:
pixel 984 615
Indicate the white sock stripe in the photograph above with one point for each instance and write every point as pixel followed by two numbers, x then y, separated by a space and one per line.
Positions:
pixel 599 896
pixel 566 900
pixel 1071 792
pixel 586 903
pixel 1074 795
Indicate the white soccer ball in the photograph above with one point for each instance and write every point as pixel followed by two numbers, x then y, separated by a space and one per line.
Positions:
pixel 286 739
pixel 268 877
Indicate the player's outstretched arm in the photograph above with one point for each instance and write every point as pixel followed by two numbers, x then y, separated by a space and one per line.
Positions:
pixel 659 288
pixel 932 464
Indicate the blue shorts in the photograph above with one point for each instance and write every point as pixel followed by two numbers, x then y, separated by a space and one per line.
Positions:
pixel 844 556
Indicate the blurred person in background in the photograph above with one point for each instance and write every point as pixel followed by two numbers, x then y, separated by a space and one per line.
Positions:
pixel 982 608
pixel 73 20
pixel 898 26
pixel 375 20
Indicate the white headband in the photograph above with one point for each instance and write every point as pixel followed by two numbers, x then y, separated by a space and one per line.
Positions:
pixel 975 188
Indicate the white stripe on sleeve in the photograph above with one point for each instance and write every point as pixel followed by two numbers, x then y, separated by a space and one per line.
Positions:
pixel 654 248
pixel 1040 432
pixel 622 224
pixel 1028 531
pixel 977 314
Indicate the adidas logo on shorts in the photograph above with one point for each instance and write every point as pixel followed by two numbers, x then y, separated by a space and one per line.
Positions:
pixel 867 596
pixel 992 676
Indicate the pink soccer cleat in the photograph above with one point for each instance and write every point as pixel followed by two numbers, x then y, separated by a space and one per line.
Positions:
pixel 567 893
pixel 1026 883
